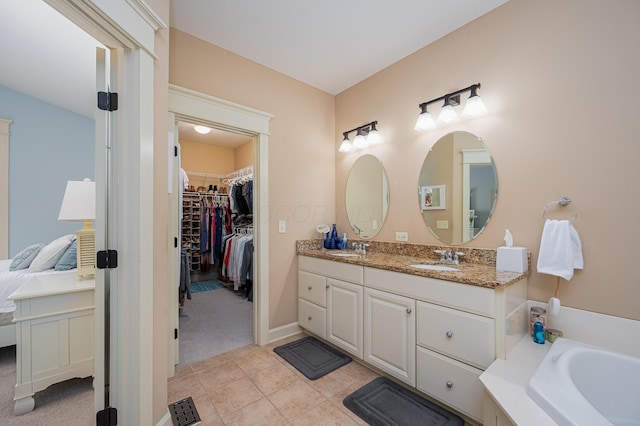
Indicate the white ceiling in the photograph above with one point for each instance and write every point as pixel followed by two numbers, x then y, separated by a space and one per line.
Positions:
pixel 328 44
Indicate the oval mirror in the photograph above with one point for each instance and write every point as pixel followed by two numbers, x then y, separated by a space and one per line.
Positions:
pixel 457 188
pixel 367 196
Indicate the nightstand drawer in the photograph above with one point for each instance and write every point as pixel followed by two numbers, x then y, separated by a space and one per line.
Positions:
pixel 461 335
pixel 313 318
pixel 312 288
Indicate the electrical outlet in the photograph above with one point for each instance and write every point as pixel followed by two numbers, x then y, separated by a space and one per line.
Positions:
pixel 442 224
pixel 282 226
pixel 402 236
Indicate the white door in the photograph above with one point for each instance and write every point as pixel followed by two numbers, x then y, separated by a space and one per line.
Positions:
pixel 174 187
pixel 344 316
pixel 390 334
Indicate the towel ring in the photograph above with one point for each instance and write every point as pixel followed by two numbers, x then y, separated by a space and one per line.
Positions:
pixel 564 201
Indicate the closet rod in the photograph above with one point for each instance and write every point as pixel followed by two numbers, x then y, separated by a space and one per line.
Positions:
pixel 205 175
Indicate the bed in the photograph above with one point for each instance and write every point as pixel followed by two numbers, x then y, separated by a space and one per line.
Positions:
pixel 48 314
pixel 10 281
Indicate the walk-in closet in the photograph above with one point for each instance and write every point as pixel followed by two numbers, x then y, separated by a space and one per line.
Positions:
pixel 216 219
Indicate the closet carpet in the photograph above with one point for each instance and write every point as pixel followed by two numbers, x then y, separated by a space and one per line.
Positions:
pixel 214 322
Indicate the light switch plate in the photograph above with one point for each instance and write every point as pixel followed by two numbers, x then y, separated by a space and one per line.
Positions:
pixel 442 224
pixel 374 224
pixel 402 236
pixel 282 226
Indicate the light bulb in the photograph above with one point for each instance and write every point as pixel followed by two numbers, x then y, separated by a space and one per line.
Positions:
pixel 374 138
pixel 425 122
pixel 346 145
pixel 474 107
pixel 360 142
pixel 447 114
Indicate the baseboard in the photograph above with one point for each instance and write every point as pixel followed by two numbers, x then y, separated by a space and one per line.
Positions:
pixel 284 331
pixel 165 420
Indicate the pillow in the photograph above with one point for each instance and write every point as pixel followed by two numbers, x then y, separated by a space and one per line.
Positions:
pixel 69 259
pixel 23 259
pixel 51 253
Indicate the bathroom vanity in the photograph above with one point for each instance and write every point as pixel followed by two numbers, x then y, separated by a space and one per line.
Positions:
pixel 436 331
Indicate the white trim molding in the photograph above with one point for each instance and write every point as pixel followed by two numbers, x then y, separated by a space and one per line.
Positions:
pixel 193 106
pixel 4 188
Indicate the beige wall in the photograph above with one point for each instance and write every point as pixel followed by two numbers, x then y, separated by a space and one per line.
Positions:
pixel 301 150
pixel 560 81
pixel 243 155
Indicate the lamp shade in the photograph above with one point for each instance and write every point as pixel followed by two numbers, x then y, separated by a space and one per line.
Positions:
pixel 79 201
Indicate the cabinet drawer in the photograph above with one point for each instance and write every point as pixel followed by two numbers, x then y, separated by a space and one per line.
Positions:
pixel 312 288
pixel 461 335
pixel 452 382
pixel 312 317
pixel 333 269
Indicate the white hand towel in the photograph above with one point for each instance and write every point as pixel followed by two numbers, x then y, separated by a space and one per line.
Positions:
pixel 560 249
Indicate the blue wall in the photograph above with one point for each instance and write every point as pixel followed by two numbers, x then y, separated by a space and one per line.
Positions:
pixel 48 146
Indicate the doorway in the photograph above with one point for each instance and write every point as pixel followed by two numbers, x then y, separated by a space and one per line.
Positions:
pixel 196 108
pixel 216 241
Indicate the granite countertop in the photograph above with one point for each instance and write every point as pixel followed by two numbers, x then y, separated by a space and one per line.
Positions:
pixel 481 273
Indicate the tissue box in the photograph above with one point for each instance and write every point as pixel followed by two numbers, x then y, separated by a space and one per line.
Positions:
pixel 512 259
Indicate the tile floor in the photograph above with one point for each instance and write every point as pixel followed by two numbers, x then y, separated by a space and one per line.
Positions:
pixel 254 386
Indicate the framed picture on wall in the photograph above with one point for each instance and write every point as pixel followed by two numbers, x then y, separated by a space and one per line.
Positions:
pixel 432 197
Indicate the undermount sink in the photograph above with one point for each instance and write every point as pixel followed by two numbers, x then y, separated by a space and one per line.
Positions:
pixel 436 268
pixel 345 254
pixel 579 384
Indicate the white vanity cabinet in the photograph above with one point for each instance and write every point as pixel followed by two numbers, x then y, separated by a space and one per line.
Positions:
pixel 390 334
pixel 330 302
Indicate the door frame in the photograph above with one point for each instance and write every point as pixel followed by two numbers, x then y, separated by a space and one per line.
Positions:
pixel 189 105
pixel 127 28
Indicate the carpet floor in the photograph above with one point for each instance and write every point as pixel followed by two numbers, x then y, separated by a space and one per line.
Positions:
pixel 214 322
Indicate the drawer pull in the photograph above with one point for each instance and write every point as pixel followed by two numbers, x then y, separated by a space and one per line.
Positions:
pixel 309 318
pixel 449 333
pixel 408 310
pixel 309 287
pixel 449 384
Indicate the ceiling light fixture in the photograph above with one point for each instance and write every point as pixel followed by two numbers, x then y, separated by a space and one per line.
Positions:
pixel 203 130
pixel 473 108
pixel 366 135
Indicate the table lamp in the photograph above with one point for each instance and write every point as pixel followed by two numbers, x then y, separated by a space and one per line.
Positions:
pixel 79 205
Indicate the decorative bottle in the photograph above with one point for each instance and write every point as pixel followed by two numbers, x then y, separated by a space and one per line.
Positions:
pixel 538 332
pixel 334 237
pixel 327 240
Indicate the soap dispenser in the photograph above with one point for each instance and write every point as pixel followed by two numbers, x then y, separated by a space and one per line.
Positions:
pixel 345 245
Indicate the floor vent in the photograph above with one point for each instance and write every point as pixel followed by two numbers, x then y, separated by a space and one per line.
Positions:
pixel 184 413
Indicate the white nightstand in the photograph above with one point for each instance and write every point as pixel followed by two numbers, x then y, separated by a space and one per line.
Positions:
pixel 55 329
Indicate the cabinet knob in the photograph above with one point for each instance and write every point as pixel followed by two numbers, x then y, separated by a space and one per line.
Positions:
pixel 449 384
pixel 449 333
pixel 309 318
pixel 310 287
pixel 408 310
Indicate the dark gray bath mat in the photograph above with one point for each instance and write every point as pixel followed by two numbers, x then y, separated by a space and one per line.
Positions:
pixel 311 357
pixel 382 402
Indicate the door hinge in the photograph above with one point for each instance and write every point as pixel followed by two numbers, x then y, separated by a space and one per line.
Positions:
pixel 107 259
pixel 107 417
pixel 175 241
pixel 107 101
pixel 175 151
pixel 175 333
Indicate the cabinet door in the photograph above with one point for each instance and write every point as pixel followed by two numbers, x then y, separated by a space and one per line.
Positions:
pixel 344 316
pixel 390 334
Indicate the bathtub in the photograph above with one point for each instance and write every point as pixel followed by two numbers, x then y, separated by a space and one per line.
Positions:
pixel 580 384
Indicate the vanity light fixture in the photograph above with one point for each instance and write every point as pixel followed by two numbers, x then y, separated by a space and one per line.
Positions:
pixel 366 135
pixel 473 108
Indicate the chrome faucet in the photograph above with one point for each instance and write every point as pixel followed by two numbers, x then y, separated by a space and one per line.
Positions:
pixel 360 248
pixel 449 256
